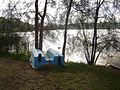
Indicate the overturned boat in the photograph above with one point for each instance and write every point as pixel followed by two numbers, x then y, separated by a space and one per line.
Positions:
pixel 38 59
pixel 114 61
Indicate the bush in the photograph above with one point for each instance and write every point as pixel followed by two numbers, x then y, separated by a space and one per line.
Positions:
pixel 16 56
pixel 20 56
pixel 12 42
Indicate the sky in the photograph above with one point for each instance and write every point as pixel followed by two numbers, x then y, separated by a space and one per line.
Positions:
pixel 52 11
pixel 4 4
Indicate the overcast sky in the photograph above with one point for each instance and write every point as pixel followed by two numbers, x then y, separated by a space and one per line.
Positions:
pixel 4 3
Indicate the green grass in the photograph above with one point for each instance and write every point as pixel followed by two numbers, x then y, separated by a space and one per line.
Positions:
pixel 20 56
pixel 84 77
pixel 16 56
pixel 72 76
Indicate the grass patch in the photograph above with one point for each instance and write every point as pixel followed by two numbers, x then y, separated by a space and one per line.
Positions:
pixel 73 76
pixel 16 56
pixel 20 56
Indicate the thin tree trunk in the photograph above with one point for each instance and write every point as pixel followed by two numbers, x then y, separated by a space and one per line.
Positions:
pixel 36 24
pixel 87 53
pixel 41 27
pixel 66 24
pixel 94 41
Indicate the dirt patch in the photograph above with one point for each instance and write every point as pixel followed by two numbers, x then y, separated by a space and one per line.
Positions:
pixel 23 77
pixel 18 75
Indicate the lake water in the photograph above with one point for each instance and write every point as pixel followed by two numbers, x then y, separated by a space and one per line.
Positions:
pixel 49 43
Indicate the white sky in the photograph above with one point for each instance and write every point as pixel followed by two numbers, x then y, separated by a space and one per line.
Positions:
pixel 3 5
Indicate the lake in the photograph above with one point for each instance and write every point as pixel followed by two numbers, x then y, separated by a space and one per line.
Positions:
pixel 57 43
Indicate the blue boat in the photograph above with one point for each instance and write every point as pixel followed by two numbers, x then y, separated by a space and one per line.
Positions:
pixel 38 59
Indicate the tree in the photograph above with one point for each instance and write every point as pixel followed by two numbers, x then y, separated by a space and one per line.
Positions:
pixel 36 24
pixel 66 24
pixel 10 23
pixel 42 25
pixel 94 41
pixel 88 13
pixel 97 44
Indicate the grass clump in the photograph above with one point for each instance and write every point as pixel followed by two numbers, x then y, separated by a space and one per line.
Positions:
pixel 16 56
pixel 20 56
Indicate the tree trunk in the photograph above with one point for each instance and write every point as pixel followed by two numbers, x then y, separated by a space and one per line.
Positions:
pixel 36 24
pixel 66 24
pixel 41 27
pixel 94 41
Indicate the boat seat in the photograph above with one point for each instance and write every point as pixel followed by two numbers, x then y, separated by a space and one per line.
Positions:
pixel 50 55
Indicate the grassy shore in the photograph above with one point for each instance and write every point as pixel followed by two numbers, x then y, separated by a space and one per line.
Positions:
pixel 18 75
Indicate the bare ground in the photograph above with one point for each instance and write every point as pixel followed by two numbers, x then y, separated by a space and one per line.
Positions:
pixel 18 75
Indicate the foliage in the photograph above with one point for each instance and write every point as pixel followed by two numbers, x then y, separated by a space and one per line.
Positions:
pixel 20 56
pixel 51 35
pixel 9 36
pixel 93 44
pixel 112 42
pixel 12 42
pixel 23 56
pixel 14 25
